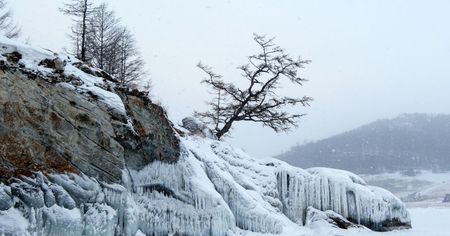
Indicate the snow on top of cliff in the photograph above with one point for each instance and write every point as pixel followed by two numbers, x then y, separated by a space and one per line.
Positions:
pixel 31 58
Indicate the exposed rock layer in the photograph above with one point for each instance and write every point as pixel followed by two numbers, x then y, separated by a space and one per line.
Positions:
pixel 48 127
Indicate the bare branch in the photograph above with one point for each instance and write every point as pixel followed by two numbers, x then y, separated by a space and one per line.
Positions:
pixel 8 27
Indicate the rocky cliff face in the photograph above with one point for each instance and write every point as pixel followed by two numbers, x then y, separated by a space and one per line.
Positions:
pixel 82 156
pixel 50 123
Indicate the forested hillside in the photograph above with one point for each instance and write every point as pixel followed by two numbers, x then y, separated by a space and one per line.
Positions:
pixel 410 141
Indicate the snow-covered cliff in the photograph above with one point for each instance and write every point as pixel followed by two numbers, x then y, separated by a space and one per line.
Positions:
pixel 80 156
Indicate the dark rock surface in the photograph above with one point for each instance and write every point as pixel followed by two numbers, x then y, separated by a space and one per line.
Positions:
pixel 155 139
pixel 50 128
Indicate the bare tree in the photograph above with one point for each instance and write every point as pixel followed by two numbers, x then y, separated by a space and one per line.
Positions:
pixel 80 10
pixel 130 63
pixel 100 39
pixel 104 37
pixel 258 101
pixel 7 25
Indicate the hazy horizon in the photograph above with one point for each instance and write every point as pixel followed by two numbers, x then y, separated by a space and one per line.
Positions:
pixel 370 59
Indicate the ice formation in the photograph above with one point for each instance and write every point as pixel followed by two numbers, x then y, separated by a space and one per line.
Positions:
pixel 289 190
pixel 213 189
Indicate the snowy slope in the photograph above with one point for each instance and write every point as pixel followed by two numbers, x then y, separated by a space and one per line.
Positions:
pixel 212 189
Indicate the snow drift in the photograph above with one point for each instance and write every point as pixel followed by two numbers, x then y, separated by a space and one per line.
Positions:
pixel 210 188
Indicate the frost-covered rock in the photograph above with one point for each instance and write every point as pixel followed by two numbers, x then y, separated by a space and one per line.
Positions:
pixel 314 216
pixel 5 198
pixel 62 198
pixel 196 127
pixel 30 195
pixel 100 219
pixel 290 191
pixel 49 197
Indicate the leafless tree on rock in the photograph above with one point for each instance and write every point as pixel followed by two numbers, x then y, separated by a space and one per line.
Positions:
pixel 258 101
pixel 80 10
pixel 130 63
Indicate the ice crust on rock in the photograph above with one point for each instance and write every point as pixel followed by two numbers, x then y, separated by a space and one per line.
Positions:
pixel 212 189
pixel 314 217
pixel 5 198
pixel 195 127
pixel 269 190
pixel 182 192
pixel 343 193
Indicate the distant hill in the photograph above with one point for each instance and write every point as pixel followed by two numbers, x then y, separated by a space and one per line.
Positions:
pixel 408 142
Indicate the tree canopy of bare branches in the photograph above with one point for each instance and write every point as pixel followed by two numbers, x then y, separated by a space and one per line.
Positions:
pixel 104 33
pixel 100 39
pixel 80 10
pixel 258 101
pixel 7 25
pixel 131 64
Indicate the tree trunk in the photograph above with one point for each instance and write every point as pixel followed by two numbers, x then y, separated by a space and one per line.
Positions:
pixel 227 125
pixel 225 129
pixel 83 32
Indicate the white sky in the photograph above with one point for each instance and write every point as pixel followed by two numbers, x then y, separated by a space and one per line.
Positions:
pixel 370 59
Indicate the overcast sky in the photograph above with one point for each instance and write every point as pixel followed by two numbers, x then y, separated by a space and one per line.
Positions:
pixel 370 59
